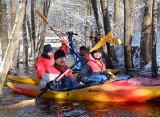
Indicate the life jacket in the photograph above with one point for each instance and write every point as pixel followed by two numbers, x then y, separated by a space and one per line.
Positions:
pixel 96 65
pixel 98 70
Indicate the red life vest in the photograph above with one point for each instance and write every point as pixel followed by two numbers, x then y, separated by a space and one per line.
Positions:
pixel 97 65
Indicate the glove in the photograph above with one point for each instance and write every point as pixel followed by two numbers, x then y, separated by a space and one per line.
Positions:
pixel 65 41
pixel 45 80
pixel 42 85
pixel 85 80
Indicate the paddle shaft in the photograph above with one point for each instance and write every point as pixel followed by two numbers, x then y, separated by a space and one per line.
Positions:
pixel 46 88
pixel 46 21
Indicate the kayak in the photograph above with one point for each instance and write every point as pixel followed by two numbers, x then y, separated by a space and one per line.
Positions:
pixel 35 81
pixel 135 89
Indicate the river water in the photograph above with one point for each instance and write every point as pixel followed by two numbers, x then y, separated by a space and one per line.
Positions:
pixel 17 105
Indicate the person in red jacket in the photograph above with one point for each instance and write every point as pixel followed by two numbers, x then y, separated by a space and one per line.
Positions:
pixel 47 58
pixel 67 81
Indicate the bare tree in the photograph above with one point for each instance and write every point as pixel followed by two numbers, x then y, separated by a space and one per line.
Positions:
pixel 116 17
pixel 128 30
pixel 43 25
pixel 13 16
pixel 88 30
pixel 33 33
pixel 6 63
pixel 145 44
pixel 25 41
pixel 154 39
pixel 88 26
pixel 99 16
pixel 107 28
pixel 4 31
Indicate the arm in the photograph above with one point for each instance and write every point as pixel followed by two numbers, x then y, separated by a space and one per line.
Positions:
pixel 47 77
pixel 84 73
pixel 75 53
pixel 64 46
pixel 40 68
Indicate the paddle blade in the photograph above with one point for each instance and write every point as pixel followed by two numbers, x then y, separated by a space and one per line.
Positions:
pixel 102 42
pixel 42 16
pixel 116 41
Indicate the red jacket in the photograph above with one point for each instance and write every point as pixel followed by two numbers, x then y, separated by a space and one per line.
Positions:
pixel 44 63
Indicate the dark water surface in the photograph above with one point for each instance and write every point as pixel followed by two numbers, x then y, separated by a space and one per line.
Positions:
pixel 17 105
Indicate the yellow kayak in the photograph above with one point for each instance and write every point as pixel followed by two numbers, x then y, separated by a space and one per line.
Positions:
pixel 35 81
pixel 130 90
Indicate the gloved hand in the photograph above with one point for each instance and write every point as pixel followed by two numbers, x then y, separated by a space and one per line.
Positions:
pixel 45 80
pixel 85 80
pixel 64 41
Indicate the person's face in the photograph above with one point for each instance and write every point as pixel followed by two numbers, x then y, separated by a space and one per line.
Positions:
pixel 83 52
pixel 97 55
pixel 61 61
pixel 50 54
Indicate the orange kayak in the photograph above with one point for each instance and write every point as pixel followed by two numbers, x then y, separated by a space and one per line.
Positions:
pixel 130 90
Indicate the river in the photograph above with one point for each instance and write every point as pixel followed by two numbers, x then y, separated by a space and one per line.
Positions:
pixel 17 105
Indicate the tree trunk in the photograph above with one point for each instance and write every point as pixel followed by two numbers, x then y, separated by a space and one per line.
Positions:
pixel 99 16
pixel 88 30
pixel 13 16
pixel 154 39
pixel 29 34
pixel 4 33
pixel 107 28
pixel 145 44
pixel 116 17
pixel 6 63
pixel 25 42
pixel 40 44
pixel 88 27
pixel 33 32
pixel 128 30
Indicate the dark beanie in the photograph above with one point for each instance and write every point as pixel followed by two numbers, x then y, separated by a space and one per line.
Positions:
pixel 47 48
pixel 82 48
pixel 98 50
pixel 58 54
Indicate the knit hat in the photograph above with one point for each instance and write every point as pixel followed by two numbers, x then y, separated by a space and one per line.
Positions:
pixel 98 50
pixel 82 48
pixel 47 48
pixel 58 54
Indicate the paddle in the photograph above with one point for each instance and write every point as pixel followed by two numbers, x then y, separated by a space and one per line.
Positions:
pixel 46 21
pixel 97 46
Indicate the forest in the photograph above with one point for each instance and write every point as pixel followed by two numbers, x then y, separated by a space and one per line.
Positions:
pixel 23 31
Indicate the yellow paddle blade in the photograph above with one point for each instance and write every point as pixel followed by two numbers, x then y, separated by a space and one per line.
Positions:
pixel 102 42
pixel 116 41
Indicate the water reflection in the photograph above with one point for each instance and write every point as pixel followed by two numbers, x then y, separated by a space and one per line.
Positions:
pixel 65 108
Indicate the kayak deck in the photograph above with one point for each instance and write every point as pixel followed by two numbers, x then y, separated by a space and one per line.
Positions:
pixel 115 91
pixel 35 81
